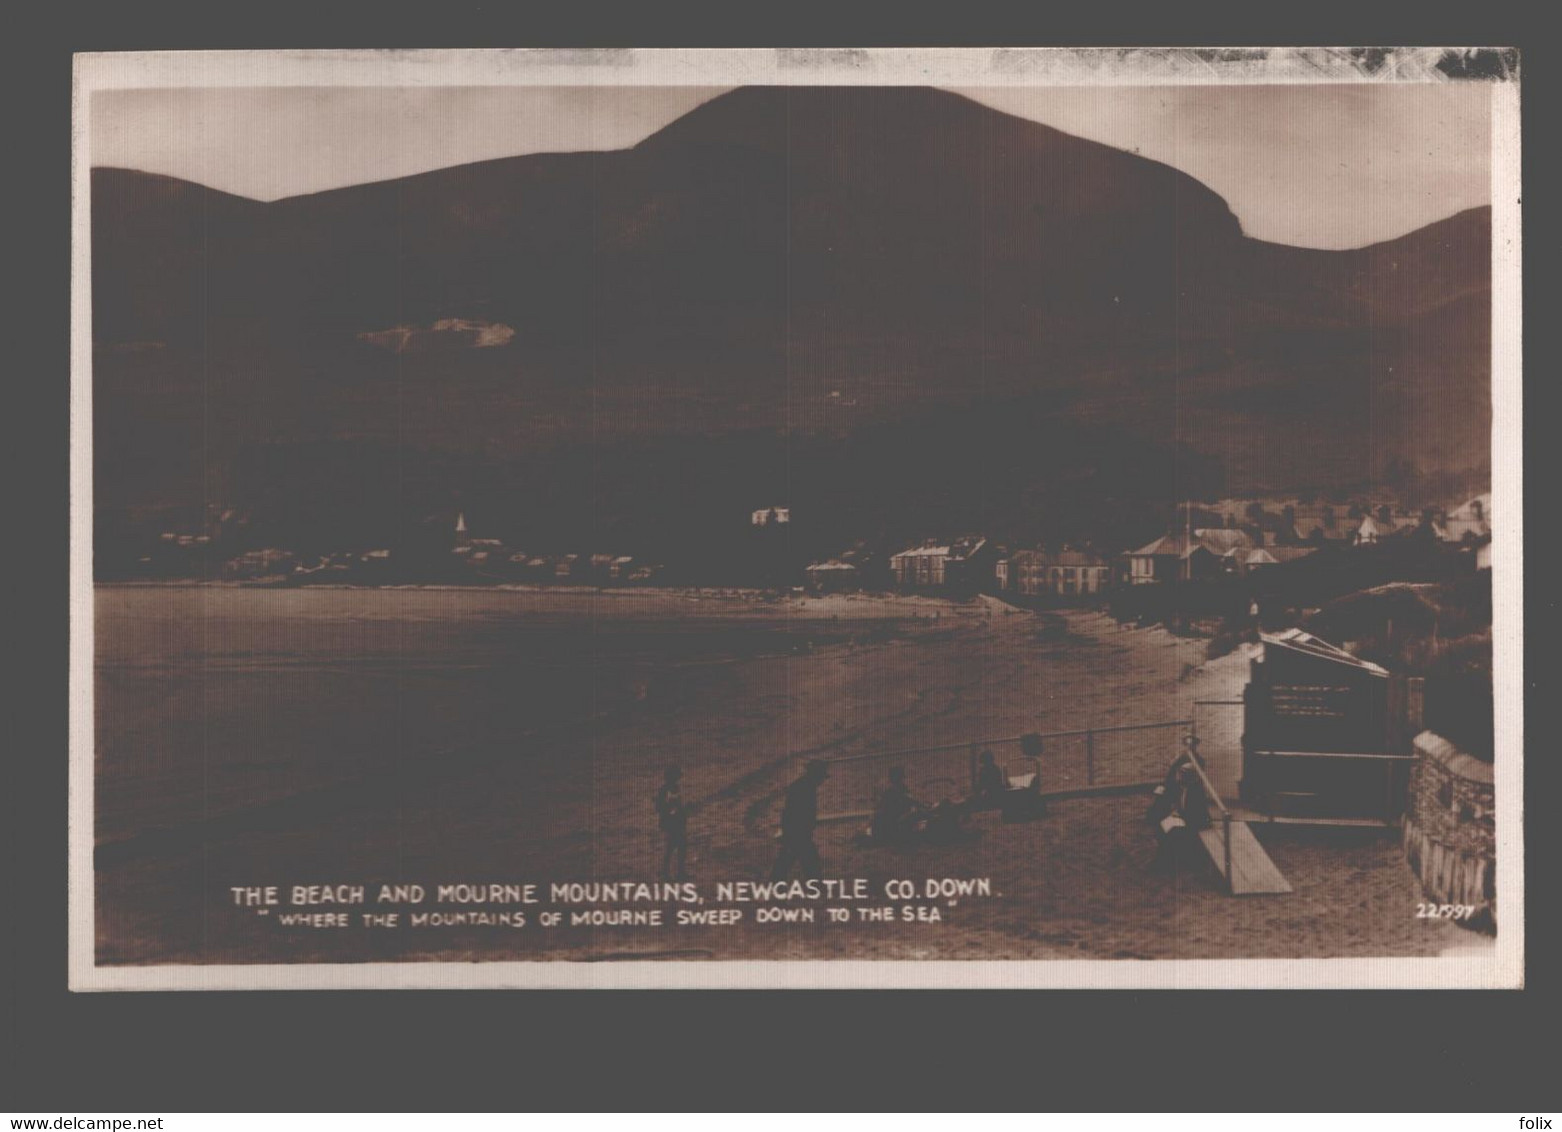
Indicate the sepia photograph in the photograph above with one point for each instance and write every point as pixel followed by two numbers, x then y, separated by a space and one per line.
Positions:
pixel 798 518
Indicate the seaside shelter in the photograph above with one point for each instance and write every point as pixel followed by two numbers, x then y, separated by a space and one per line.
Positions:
pixel 1326 735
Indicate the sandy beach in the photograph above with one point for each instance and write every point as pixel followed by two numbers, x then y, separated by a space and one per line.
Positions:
pixel 255 737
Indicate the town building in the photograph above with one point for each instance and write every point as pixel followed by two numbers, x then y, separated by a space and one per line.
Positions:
pixel 1224 543
pixel 1291 522
pixel 1469 522
pixel 1314 530
pixel 1157 561
pixel 1263 557
pixel 1381 526
pixel 958 565
pixel 1066 573
pixel 268 562
pixel 1200 554
pixel 833 576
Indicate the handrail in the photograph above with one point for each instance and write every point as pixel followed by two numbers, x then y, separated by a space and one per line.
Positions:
pixel 1225 815
pixel 1271 752
pixel 1209 787
pixel 1007 739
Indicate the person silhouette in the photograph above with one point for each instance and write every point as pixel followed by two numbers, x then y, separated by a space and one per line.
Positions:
pixel 799 816
pixel 672 815
pixel 991 782
pixel 895 815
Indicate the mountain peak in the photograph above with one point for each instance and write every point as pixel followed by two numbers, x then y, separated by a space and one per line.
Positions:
pixel 917 165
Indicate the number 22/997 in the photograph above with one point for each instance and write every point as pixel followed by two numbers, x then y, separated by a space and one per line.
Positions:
pixel 1444 911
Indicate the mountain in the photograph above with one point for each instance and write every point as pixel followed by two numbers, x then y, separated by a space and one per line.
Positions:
pixel 811 260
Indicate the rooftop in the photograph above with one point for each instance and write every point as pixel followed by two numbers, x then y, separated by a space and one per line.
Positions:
pixel 1304 642
pixel 962 547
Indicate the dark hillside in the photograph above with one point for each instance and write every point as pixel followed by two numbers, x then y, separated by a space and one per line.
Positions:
pixel 805 262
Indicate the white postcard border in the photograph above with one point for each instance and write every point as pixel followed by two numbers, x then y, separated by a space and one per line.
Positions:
pixel 1484 964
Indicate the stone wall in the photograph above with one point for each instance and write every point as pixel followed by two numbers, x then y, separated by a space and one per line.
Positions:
pixel 1450 831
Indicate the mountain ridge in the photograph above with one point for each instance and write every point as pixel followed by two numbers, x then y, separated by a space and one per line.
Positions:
pixel 1476 213
pixel 810 263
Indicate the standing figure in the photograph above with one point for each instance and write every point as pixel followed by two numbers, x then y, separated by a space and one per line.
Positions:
pixel 673 817
pixel 897 814
pixel 991 781
pixel 799 815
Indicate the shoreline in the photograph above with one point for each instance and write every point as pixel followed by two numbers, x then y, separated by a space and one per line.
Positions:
pixel 749 592
pixel 667 602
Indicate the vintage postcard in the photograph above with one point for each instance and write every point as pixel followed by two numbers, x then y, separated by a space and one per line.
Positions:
pixel 799 518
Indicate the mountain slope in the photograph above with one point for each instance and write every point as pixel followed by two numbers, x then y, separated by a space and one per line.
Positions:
pixel 812 259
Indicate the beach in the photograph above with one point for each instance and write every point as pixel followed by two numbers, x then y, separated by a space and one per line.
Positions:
pixel 290 737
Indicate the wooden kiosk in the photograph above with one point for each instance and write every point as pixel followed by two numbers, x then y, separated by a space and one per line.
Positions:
pixel 1326 737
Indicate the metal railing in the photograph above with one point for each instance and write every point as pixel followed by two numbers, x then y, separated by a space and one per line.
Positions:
pixel 1077 762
